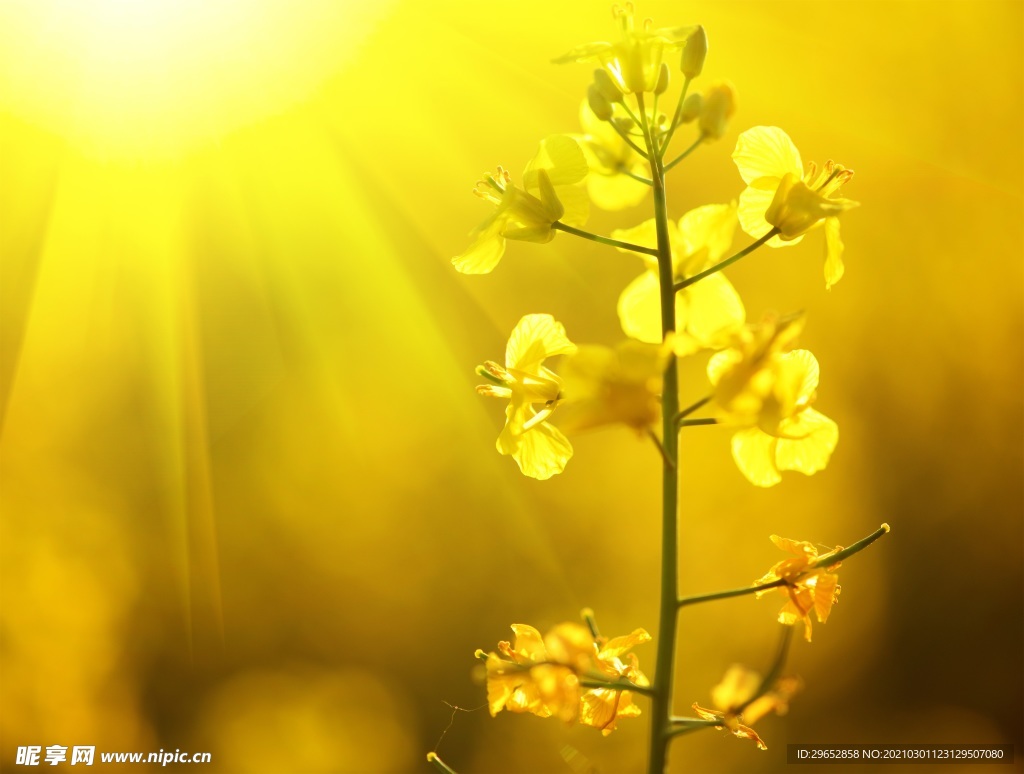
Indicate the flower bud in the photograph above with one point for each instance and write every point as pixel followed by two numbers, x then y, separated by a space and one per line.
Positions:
pixel 691 108
pixel 608 88
pixel 719 105
pixel 663 76
pixel 694 53
pixel 598 103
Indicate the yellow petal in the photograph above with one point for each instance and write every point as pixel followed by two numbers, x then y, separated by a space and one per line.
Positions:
pixel 617 646
pixel 529 645
pixel 485 251
pixel 721 362
pixel 833 253
pixel 598 708
pixel 536 337
pixel 569 643
pixel 546 191
pixel 706 232
pixel 738 685
pixel 766 151
pixel 754 453
pixel 803 368
pixel 714 311
pixel 543 452
pixel 754 202
pixel 825 594
pixel 645 235
pixel 575 204
pixel 615 191
pixel 640 308
pixel 810 453
pixel 583 53
pixel 561 157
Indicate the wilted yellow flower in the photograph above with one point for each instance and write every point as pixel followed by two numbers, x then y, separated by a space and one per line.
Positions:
pixel 537 446
pixel 542 675
pixel 779 194
pixel 609 158
pixel 606 386
pixel 736 689
pixel 635 61
pixel 768 392
pixel 552 192
pixel 706 311
pixel 806 587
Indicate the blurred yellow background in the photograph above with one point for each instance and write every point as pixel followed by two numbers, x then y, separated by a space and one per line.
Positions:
pixel 251 503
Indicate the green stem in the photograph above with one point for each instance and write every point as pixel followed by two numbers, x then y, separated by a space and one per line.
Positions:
pixel 830 559
pixel 626 138
pixel 559 226
pixel 675 121
pixel 680 726
pixel 638 178
pixel 621 685
pixel 661 704
pixel 722 264
pixel 691 408
pixel 683 602
pixel 657 442
pixel 695 422
pixel 685 153
pixel 774 672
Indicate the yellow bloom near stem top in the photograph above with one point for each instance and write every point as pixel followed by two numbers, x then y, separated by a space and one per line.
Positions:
pixel 552 191
pixel 737 688
pixel 781 194
pixel 706 311
pixel 605 386
pixel 768 393
pixel 542 675
pixel 807 587
pixel 634 61
pixel 532 391
pixel 609 158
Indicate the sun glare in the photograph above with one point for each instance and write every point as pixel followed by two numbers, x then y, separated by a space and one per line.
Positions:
pixel 142 78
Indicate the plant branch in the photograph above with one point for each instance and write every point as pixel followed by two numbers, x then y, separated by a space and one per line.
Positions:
pixel 685 153
pixel 559 226
pixel 722 264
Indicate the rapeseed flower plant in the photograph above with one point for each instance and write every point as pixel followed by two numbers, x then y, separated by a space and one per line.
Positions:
pixel 567 673
pixel 742 700
pixel 809 582
pixel 768 393
pixel 551 193
pixel 781 195
pixel 607 386
pixel 634 61
pixel 613 164
pixel 761 385
pixel 532 391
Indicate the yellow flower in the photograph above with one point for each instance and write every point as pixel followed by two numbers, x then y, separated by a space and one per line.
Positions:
pixel 605 386
pixel 780 194
pixel 552 192
pixel 634 62
pixel 737 689
pixel 608 159
pixel 537 446
pixel 706 311
pixel 768 393
pixel 542 675
pixel 806 587
pixel 717 107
